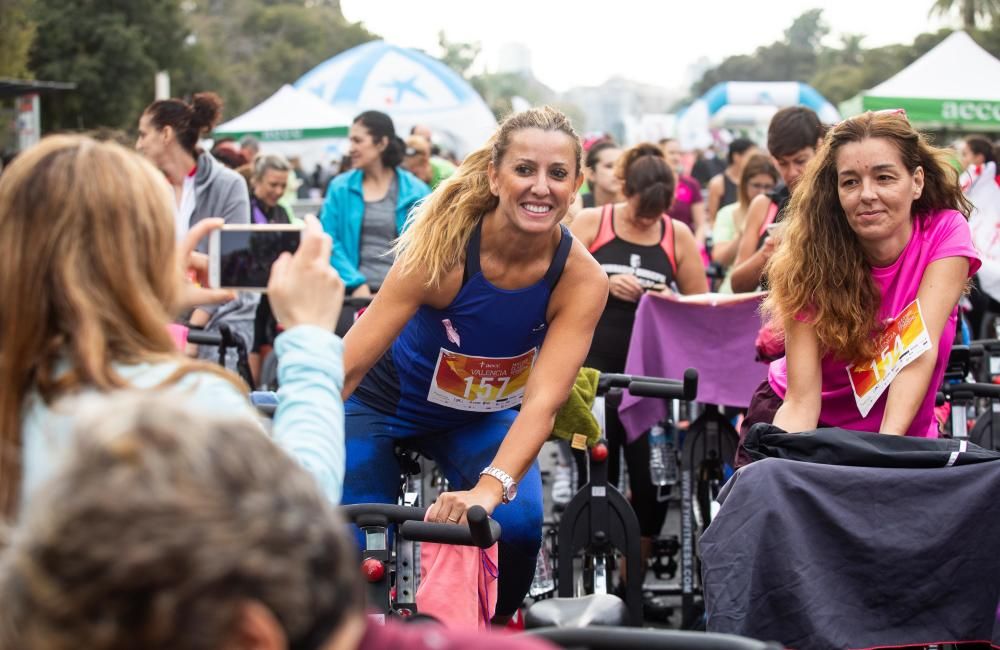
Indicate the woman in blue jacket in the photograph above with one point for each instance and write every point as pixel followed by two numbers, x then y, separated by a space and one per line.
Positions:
pixel 366 208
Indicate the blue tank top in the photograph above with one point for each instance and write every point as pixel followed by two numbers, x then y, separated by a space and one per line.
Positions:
pixel 450 366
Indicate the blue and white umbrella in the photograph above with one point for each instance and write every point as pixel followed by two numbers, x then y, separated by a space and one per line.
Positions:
pixel 410 86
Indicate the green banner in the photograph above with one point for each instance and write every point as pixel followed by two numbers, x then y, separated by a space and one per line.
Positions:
pixel 284 135
pixel 955 114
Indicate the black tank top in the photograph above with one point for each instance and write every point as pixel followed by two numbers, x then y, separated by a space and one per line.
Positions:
pixel 730 193
pixel 651 266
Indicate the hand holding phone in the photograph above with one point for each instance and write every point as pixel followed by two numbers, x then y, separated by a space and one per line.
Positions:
pixel 195 289
pixel 303 288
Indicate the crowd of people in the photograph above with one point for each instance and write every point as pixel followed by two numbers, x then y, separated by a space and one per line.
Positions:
pixel 165 514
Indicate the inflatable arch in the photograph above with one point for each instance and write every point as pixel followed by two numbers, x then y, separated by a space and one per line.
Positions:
pixel 693 123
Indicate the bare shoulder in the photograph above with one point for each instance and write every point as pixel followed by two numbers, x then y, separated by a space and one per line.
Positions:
pixel 586 224
pixel 716 183
pixel 758 209
pixel 583 281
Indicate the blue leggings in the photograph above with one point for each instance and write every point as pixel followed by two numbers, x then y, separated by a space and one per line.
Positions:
pixel 373 477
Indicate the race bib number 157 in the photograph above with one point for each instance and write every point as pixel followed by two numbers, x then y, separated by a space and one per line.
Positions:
pixel 481 384
pixel 903 340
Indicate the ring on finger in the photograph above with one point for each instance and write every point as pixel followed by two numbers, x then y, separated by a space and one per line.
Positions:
pixel 453 520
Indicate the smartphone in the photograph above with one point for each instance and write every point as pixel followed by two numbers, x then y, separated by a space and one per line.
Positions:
pixel 240 256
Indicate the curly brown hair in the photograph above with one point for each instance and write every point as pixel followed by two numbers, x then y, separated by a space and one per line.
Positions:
pixel 819 270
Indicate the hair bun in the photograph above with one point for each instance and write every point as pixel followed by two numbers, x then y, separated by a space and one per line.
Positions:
pixel 206 110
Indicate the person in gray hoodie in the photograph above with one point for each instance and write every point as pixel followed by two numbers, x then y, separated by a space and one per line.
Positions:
pixel 169 130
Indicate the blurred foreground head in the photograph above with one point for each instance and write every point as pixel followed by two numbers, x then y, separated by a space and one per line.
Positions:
pixel 165 530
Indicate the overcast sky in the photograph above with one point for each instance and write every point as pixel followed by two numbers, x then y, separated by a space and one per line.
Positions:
pixel 586 41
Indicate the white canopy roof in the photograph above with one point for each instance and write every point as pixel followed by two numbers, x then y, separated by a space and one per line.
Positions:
pixel 289 114
pixel 957 68
pixel 410 86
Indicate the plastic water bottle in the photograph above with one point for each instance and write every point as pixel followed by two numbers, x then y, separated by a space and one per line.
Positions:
pixel 670 457
pixel 542 583
pixel 658 455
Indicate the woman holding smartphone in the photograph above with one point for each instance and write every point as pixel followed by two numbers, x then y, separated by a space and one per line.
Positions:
pixel 641 249
pixel 491 304
pixel 90 276
pixel 366 208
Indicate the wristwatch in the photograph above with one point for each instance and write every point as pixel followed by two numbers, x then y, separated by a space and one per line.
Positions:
pixel 509 486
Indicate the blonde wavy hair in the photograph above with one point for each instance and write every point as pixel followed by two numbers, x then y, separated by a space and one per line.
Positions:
pixel 88 276
pixel 819 271
pixel 437 233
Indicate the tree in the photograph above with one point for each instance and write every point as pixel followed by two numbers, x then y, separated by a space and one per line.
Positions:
pixel 18 33
pixel 457 55
pixel 252 47
pixel 111 49
pixel 970 10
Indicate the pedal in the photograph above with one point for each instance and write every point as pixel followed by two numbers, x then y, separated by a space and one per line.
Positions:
pixel 662 560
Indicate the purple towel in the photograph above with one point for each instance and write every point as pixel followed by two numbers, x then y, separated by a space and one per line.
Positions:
pixel 717 340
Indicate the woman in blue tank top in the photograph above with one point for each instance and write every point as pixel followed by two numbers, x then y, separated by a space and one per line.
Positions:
pixel 491 304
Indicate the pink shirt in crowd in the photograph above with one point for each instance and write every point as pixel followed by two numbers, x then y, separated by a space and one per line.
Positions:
pixel 943 234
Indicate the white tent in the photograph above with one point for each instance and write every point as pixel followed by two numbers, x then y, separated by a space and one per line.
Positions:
pixel 294 123
pixel 956 85
pixel 410 86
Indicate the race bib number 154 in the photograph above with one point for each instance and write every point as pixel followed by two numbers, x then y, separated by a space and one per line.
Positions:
pixel 903 340
pixel 481 384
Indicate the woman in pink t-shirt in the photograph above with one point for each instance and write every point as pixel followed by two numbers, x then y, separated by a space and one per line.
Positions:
pixel 865 283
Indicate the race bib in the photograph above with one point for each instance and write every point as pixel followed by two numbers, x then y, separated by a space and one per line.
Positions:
pixel 482 384
pixel 901 342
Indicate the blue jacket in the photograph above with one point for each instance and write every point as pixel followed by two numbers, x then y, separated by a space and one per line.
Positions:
pixel 344 209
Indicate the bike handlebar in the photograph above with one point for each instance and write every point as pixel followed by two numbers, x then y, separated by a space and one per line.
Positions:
pixel 201 337
pixel 482 531
pixel 991 391
pixel 647 639
pixel 686 389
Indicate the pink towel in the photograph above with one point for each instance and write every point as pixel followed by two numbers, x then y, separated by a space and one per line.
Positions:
pixel 458 585
pixel 180 335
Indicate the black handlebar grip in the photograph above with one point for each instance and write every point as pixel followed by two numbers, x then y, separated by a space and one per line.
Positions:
pixel 991 391
pixel 690 384
pixel 201 337
pixel 484 531
pixel 426 531
pixel 641 388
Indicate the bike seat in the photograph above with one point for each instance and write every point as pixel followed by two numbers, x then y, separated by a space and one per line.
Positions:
pixel 593 609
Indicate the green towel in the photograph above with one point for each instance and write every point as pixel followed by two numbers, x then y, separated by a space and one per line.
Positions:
pixel 575 417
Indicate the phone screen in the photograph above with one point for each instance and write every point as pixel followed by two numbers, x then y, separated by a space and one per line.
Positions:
pixel 246 256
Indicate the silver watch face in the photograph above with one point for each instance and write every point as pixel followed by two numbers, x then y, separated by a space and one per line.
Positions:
pixel 511 491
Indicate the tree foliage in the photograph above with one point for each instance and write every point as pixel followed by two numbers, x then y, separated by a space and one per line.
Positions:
pixel 17 32
pixel 249 48
pixel 838 72
pixel 971 11
pixel 242 49
pixel 111 49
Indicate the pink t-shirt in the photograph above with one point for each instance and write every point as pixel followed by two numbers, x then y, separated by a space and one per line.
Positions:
pixel 943 234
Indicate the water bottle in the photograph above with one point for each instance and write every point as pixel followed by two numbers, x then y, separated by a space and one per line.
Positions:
pixel 670 457
pixel 542 583
pixel 658 455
